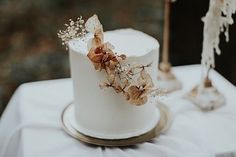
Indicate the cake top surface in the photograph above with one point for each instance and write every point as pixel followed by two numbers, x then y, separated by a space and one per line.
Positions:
pixel 126 41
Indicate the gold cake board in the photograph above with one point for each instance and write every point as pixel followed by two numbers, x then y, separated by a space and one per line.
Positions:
pixel 161 127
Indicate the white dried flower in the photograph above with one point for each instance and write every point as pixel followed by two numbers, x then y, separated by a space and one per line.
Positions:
pixel 93 24
pixel 75 29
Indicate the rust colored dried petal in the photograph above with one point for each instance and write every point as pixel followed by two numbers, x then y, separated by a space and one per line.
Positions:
pixel 137 96
pixel 143 74
pixel 126 83
pixel 95 58
pixel 97 66
pixel 149 82
pixel 126 95
pixel 123 56
pixel 104 85
pixel 96 42
pixel 108 45
pixel 112 64
pixel 99 34
pixel 134 92
pixel 111 78
pixel 139 102
pixel 99 50
pixel 145 80
pixel 118 88
pixel 105 57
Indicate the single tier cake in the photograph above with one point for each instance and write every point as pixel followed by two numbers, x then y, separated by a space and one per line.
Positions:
pixel 103 113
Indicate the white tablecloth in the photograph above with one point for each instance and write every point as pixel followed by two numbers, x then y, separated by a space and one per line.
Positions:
pixel 31 126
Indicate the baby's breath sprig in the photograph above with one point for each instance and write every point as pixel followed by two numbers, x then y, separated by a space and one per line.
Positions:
pixel 75 29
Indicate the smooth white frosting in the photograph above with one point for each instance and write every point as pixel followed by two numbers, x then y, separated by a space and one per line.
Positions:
pixel 104 113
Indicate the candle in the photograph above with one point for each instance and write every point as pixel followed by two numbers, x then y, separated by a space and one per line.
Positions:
pixel 217 21
pixel 166 79
pixel 165 51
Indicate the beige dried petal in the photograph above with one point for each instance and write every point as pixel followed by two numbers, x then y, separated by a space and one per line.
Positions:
pixel 99 34
pixel 93 24
pixel 90 44
pixel 109 46
pixel 137 95
pixel 143 74
pixel 140 66
pixel 130 71
pixel 141 80
pixel 139 102
pixel 145 80
pixel 149 81
pixel 95 58
pixel 105 57
pixel 111 78
pixel 126 83
pixel 118 88
pixel 103 85
pixel 148 65
pixel 112 65
pixel 126 95
pixel 134 92
pixel 123 56
pixel 109 71
pixel 97 66
pixel 96 42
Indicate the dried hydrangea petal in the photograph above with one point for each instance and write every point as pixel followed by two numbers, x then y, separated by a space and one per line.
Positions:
pixel 145 79
pixel 93 24
pixel 134 92
pixel 109 45
pixel 90 44
pixel 99 33
pixel 136 96
pixel 111 78
pixel 138 102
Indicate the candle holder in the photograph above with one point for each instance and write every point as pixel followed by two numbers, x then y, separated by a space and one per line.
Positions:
pixel 206 96
pixel 166 79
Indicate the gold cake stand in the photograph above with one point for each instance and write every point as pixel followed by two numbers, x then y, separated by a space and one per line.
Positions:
pixel 161 127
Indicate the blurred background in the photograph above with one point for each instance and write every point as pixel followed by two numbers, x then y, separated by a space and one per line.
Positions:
pixel 31 51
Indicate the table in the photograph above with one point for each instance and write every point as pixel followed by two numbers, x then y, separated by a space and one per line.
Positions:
pixel 30 125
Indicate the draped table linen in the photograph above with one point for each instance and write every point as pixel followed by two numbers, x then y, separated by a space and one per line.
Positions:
pixel 31 124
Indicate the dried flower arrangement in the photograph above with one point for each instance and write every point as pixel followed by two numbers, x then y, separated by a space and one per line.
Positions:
pixel 133 81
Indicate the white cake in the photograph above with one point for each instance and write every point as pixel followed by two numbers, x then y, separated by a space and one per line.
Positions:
pixel 102 113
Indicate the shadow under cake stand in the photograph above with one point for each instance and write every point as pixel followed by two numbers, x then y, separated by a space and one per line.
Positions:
pixel 161 127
